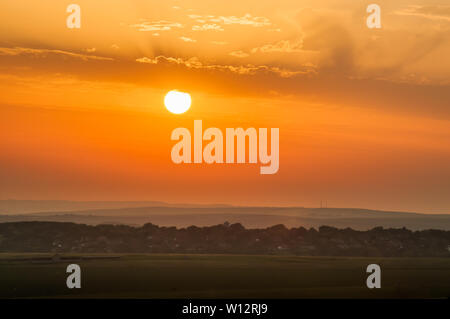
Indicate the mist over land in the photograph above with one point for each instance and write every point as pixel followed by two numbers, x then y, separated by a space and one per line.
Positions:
pixel 138 213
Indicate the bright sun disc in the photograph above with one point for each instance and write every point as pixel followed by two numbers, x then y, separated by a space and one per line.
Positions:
pixel 177 102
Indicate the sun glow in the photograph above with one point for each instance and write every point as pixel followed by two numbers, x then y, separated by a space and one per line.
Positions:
pixel 177 102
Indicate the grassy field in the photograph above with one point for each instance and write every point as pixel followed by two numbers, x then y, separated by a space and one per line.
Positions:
pixel 224 276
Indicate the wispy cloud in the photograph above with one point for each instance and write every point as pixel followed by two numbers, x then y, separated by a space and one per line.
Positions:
pixel 186 39
pixel 248 69
pixel 207 27
pixel 45 52
pixel 161 25
pixel 285 46
pixel 247 19
pixel 239 54
pixel 190 63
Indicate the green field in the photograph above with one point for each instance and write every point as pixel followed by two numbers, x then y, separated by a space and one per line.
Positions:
pixel 225 276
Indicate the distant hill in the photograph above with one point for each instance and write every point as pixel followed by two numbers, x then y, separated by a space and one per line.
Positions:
pixel 250 217
pixel 13 206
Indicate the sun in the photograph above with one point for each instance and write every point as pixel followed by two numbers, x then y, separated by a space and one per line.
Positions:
pixel 177 102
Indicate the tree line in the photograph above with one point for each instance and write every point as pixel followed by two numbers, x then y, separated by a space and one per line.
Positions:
pixel 221 239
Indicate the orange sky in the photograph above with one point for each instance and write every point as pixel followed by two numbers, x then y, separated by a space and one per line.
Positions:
pixel 364 115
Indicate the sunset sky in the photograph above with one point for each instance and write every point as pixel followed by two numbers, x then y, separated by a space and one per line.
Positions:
pixel 364 114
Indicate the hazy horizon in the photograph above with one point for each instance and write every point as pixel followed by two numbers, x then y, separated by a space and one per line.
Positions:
pixel 154 203
pixel 324 203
